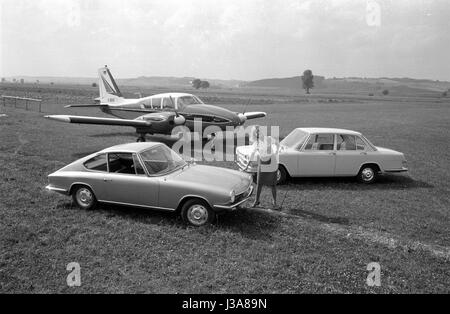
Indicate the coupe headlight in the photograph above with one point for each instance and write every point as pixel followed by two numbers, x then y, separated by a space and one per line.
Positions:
pixel 232 196
pixel 405 163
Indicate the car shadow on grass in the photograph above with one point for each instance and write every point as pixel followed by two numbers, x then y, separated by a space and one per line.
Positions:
pixel 317 217
pixel 384 182
pixel 248 224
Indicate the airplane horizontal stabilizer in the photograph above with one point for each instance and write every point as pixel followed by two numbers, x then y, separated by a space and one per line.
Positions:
pixel 86 106
pixel 98 120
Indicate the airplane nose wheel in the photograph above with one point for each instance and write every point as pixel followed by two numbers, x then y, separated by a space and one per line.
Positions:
pixel 141 138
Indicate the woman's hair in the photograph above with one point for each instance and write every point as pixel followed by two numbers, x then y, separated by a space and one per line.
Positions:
pixel 255 134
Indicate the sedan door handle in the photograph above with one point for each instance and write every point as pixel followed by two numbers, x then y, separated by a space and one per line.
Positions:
pixel 363 153
pixel 332 153
pixel 106 180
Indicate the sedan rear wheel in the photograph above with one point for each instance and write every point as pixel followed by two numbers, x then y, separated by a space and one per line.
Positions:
pixel 197 213
pixel 84 197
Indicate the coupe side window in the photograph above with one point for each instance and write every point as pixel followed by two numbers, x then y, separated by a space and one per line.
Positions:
pixel 138 166
pixel 346 142
pixel 121 163
pixel 97 163
pixel 320 142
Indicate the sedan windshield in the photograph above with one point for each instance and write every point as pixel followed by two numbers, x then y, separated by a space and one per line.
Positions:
pixel 161 159
pixel 185 101
pixel 294 139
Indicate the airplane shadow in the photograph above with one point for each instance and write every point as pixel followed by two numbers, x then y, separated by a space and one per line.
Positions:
pixel 384 182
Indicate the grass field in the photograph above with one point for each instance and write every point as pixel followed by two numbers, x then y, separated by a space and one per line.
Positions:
pixel 332 228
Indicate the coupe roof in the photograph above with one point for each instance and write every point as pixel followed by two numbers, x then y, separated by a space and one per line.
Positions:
pixel 329 130
pixel 130 147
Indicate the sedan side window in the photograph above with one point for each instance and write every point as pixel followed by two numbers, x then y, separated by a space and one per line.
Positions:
pixel 346 142
pixel 97 163
pixel 360 144
pixel 320 142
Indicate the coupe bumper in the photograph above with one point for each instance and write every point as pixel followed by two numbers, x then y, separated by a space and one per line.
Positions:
pixel 241 199
pixel 55 189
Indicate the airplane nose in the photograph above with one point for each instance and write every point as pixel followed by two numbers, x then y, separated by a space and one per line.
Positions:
pixel 179 120
pixel 242 118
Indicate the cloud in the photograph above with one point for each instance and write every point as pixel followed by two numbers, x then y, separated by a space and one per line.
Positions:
pixel 224 38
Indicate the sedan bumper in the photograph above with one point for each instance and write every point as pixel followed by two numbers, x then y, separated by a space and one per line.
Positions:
pixel 403 169
pixel 239 200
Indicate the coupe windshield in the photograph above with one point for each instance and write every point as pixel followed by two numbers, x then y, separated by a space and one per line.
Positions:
pixel 295 139
pixel 185 101
pixel 161 159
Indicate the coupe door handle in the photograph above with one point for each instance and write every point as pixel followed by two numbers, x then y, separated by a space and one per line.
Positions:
pixel 332 153
pixel 106 180
pixel 363 153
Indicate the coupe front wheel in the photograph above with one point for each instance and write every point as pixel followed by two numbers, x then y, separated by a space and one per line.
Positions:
pixel 84 197
pixel 197 213
pixel 368 174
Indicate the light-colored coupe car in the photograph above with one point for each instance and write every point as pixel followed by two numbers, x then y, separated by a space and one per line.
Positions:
pixel 326 152
pixel 151 175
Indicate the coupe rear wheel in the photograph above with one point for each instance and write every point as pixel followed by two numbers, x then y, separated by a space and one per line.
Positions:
pixel 84 197
pixel 197 212
pixel 368 174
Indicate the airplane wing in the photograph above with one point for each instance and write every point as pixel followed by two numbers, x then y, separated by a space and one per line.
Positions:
pixel 98 120
pixel 254 115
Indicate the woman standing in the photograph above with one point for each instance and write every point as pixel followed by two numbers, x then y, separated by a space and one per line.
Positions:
pixel 265 150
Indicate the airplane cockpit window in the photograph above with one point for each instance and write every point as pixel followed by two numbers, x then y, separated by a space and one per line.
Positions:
pixel 167 103
pixel 156 103
pixel 184 101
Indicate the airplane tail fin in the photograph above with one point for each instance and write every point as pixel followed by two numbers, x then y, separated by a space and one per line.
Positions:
pixel 109 91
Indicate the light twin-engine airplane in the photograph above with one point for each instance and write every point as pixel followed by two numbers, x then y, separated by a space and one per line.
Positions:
pixel 155 114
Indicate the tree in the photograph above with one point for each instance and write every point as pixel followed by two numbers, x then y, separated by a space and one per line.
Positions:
pixel 444 94
pixel 385 92
pixel 196 83
pixel 204 84
pixel 94 84
pixel 307 80
pixel 3 80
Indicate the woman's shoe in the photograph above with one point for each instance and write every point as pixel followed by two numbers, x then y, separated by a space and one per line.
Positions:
pixel 255 204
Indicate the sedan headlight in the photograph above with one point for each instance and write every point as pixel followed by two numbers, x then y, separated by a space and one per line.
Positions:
pixel 232 196
pixel 405 164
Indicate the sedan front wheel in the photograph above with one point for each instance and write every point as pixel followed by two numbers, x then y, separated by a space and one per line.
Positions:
pixel 367 174
pixel 197 213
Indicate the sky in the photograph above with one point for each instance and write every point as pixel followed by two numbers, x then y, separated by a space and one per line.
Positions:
pixel 226 39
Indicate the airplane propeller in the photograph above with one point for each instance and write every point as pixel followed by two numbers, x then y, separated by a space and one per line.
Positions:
pixel 179 119
pixel 242 115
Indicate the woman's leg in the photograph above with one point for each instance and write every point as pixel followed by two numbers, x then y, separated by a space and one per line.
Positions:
pixel 274 194
pixel 258 195
pixel 258 187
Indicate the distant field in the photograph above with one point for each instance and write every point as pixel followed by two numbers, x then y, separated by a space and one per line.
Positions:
pixel 334 229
